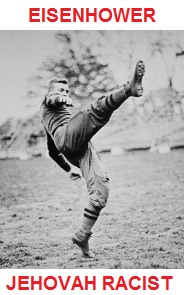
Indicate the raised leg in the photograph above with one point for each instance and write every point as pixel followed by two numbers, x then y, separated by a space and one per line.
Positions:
pixel 85 124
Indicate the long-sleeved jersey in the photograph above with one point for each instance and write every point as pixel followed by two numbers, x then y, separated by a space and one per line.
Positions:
pixel 54 114
pixel 56 156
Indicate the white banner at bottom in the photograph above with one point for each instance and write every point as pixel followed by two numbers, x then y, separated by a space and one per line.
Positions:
pixel 91 281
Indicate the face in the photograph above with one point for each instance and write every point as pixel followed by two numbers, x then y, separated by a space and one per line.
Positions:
pixel 61 88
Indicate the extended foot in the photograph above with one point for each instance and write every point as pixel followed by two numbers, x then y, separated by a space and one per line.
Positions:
pixel 134 87
pixel 82 241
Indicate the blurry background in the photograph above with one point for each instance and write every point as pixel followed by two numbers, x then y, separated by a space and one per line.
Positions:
pixel 95 63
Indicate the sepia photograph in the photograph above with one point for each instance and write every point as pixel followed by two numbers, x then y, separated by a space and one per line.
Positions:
pixel 92 149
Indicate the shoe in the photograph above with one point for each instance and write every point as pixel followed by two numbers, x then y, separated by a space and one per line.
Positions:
pixel 134 87
pixel 81 239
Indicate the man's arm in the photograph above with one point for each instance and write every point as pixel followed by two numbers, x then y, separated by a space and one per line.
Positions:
pixel 54 154
pixel 55 99
pixel 74 172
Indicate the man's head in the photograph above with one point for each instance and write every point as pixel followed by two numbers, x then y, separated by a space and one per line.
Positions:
pixel 59 86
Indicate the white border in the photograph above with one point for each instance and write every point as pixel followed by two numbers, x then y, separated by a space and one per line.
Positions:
pixel 14 15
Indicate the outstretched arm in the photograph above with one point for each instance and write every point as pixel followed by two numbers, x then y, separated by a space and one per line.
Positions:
pixel 55 99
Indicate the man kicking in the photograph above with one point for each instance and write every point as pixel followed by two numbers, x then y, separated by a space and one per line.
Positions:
pixel 69 145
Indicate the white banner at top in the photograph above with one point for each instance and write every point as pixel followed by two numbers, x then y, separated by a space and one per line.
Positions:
pixel 91 15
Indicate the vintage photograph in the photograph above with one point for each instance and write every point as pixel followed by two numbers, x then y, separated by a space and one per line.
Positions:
pixel 92 149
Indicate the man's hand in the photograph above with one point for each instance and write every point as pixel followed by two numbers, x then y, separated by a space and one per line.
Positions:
pixel 76 175
pixel 65 100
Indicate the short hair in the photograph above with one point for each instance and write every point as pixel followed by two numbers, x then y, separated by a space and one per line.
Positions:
pixel 55 80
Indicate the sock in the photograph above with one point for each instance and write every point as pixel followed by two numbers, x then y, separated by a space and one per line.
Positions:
pixel 91 215
pixel 117 98
pixel 114 100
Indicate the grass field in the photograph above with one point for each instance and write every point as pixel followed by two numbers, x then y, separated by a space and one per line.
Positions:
pixel 142 225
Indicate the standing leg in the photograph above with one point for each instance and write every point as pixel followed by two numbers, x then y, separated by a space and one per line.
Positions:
pixel 98 189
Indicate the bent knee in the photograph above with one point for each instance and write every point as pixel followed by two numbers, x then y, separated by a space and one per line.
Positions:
pixel 99 196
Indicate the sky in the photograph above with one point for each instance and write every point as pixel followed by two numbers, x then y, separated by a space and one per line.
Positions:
pixel 21 53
